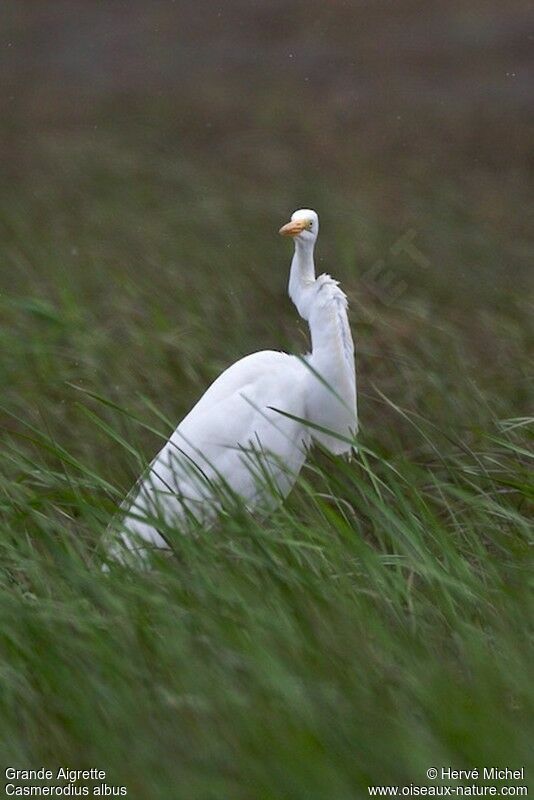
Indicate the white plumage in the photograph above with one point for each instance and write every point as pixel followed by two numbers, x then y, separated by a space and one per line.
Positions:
pixel 249 433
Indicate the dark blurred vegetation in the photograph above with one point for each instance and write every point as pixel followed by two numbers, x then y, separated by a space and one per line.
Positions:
pixel 145 143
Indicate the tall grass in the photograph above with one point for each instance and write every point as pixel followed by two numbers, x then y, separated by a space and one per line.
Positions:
pixel 375 625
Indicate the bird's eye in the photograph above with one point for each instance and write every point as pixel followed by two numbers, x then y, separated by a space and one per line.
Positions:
pixel 310 225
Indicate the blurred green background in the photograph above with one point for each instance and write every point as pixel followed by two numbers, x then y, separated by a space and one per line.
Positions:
pixel 378 625
pixel 150 152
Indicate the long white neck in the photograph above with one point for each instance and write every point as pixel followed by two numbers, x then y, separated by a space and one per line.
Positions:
pixel 302 276
pixel 331 394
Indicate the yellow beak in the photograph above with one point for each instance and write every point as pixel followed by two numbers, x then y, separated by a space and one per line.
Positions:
pixel 292 228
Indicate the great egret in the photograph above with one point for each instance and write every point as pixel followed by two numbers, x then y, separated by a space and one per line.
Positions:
pixel 249 433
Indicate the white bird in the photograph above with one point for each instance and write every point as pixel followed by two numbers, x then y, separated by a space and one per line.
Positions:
pixel 249 434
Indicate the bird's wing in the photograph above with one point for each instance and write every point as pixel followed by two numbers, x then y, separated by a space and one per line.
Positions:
pixel 232 439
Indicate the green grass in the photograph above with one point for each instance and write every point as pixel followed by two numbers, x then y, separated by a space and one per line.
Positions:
pixel 379 623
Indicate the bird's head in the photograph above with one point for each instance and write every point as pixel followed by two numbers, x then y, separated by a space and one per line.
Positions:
pixel 304 225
